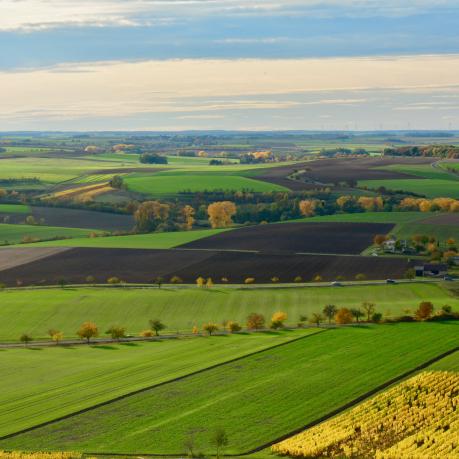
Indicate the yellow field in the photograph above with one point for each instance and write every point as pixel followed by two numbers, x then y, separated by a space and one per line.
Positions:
pixel 83 193
pixel 39 455
pixel 417 419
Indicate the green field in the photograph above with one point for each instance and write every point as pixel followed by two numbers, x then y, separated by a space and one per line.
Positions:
pixel 450 363
pixel 14 208
pixel 424 171
pixel 13 234
pixel 432 188
pixel 256 399
pixel 38 385
pixel 170 184
pixel 371 217
pixel 138 241
pixel 36 311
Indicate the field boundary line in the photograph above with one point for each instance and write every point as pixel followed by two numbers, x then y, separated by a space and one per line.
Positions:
pixel 311 424
pixel 160 384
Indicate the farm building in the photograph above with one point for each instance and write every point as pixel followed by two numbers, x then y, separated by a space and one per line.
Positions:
pixel 431 269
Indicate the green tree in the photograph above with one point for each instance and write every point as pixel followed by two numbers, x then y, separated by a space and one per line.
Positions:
pixel 356 314
pixel 158 281
pixel 369 309
pixel 116 332
pixel 210 328
pixel 156 325
pixel 316 318
pixel 26 339
pixel 329 311
pixel 219 439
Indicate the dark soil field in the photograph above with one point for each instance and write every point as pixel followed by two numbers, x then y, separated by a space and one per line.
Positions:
pixel 130 265
pixel 341 170
pixel 76 218
pixel 326 171
pixel 328 238
pixel 278 176
pixel 444 219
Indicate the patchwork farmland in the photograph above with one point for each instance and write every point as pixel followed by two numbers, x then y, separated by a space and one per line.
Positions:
pixel 233 291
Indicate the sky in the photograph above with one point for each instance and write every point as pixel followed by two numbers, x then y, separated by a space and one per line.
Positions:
pixel 229 64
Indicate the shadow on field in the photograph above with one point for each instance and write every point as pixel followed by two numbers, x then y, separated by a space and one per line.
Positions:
pixel 105 347
pixel 130 344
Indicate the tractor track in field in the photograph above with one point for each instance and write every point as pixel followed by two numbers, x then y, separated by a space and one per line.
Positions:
pixel 324 418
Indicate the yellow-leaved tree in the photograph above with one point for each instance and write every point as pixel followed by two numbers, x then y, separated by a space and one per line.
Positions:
pixel 221 213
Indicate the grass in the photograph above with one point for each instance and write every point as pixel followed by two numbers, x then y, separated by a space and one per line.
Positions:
pixel 171 184
pixel 14 234
pixel 15 208
pixel 36 311
pixel 39 385
pixel 432 188
pixel 256 399
pixel 450 363
pixel 370 217
pixel 138 241
pixel 425 171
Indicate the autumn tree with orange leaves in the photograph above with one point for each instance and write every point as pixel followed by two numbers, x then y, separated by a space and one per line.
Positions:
pixel 221 214
pixel 150 214
pixel 188 214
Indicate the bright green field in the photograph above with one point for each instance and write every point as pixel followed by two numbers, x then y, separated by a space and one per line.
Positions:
pixel 432 188
pixel 36 311
pixel 15 233
pixel 38 385
pixel 454 166
pixel 256 399
pixel 371 217
pixel 172 184
pixel 138 241
pixel 14 208
pixel 424 171
pixel 450 363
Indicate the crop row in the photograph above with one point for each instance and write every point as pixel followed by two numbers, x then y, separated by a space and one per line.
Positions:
pixel 417 418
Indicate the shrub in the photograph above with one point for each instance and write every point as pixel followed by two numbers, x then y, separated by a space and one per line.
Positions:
pixel 176 280
pixel 343 316
pixel 376 317
pixel 278 319
pixel 210 328
pixel 113 280
pixel 255 321
pixel 146 333
pixel 424 310
pixel 298 279
pixel 234 327
pixel 249 280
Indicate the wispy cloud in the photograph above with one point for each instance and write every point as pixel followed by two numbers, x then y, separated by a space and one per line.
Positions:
pixel 232 93
pixel 44 14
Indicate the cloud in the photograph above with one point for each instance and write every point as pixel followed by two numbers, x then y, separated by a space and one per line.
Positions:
pixel 229 93
pixel 28 15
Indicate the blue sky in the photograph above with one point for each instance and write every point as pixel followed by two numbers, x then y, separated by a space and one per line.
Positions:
pixel 70 38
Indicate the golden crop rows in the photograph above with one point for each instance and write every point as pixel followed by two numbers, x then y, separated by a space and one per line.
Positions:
pixel 417 419
pixel 39 455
